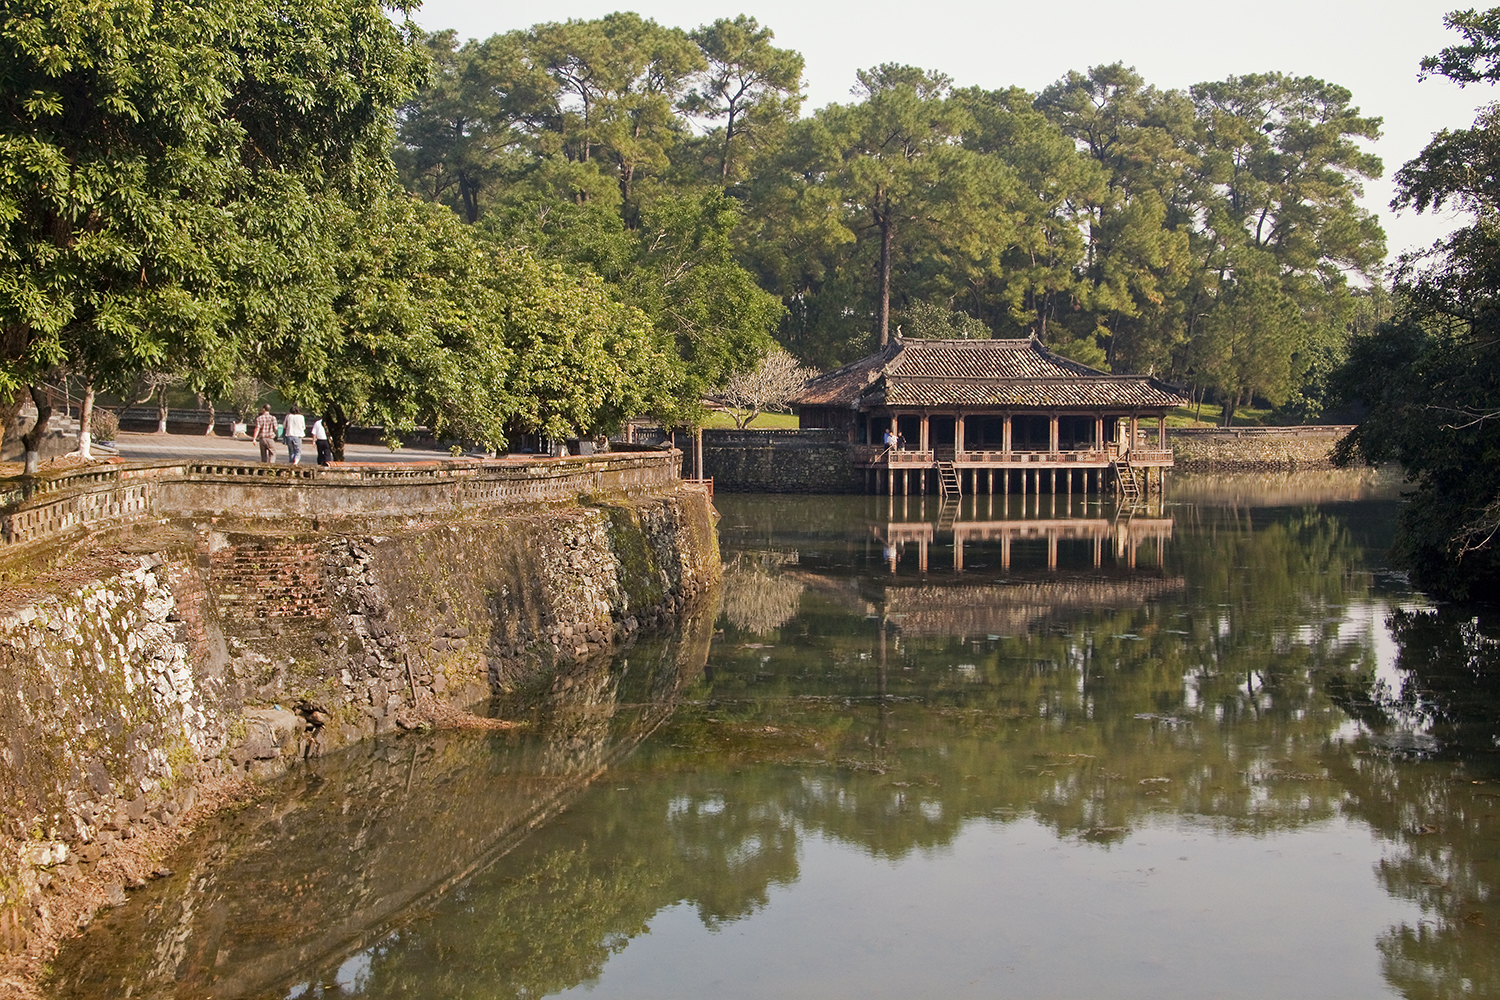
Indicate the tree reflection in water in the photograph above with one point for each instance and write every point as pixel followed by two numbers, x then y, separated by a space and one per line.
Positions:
pixel 1248 684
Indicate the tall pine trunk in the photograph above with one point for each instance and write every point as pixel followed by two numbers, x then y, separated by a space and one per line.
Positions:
pixel 883 313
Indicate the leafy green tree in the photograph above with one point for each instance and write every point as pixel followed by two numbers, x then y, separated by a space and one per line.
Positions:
pixel 1136 262
pixel 1431 378
pixel 749 84
pixel 678 267
pixel 476 122
pixel 142 149
pixel 621 81
pixel 412 334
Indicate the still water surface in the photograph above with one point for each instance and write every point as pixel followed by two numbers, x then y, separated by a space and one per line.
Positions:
pixel 1021 749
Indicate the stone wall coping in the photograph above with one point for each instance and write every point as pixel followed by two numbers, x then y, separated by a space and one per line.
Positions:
pixel 1298 431
pixel 39 506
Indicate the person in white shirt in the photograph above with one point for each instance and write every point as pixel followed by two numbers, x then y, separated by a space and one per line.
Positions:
pixel 320 438
pixel 292 430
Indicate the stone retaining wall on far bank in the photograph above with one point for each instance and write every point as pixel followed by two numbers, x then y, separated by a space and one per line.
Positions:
pixel 1254 449
pixel 818 461
pixel 780 461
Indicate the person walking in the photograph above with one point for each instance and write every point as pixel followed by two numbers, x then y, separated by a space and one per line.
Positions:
pixel 292 431
pixel 265 433
pixel 320 438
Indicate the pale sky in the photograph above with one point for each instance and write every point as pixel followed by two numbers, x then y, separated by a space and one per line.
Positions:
pixel 1372 48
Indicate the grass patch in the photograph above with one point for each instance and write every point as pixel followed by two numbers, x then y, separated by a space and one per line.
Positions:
pixel 1212 414
pixel 762 421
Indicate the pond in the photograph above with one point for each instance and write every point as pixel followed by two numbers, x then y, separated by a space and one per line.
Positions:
pixel 1021 748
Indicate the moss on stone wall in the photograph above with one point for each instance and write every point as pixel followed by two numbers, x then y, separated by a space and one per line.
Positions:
pixel 246 644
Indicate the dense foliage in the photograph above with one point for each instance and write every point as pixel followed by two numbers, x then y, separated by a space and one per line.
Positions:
pixel 217 191
pixel 1210 235
pixel 1431 378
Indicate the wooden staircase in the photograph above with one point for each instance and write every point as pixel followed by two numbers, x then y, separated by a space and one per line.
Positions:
pixel 948 481
pixel 1130 487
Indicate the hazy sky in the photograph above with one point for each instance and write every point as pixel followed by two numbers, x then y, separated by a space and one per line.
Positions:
pixel 1371 47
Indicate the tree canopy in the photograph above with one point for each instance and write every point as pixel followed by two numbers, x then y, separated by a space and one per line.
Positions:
pixel 1431 377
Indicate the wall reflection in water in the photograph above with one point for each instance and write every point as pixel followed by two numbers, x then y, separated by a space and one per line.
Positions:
pixel 348 846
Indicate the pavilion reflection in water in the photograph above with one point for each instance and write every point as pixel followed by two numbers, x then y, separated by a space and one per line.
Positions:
pixel 1076 533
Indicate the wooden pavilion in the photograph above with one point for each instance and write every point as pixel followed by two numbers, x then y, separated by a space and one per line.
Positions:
pixel 993 416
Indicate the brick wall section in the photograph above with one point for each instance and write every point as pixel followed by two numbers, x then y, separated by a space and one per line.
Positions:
pixel 257 578
pixel 1254 449
pixel 780 461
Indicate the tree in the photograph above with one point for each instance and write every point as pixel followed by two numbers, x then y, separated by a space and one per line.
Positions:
pixel 769 385
pixel 1136 262
pixel 481 113
pixel 143 148
pixel 928 319
pixel 748 83
pixel 409 336
pixel 620 80
pixel 678 267
pixel 1431 377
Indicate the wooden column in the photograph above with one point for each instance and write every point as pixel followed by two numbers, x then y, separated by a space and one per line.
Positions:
pixel 922 444
pixel 1161 432
pixel 958 436
pixel 1099 433
pixel 1052 438
pixel 1135 426
pixel 1005 436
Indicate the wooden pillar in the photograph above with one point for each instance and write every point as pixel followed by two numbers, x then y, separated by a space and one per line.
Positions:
pixel 958 435
pixel 1068 481
pixel 1099 433
pixel 923 440
pixel 1161 432
pixel 1005 436
pixel 1052 433
pixel 1005 482
pixel 1135 425
pixel 989 482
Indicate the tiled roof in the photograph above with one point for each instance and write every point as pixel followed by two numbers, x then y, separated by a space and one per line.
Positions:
pixel 1019 373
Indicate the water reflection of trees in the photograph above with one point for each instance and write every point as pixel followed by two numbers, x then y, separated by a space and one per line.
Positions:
pixel 757 596
pixel 1426 778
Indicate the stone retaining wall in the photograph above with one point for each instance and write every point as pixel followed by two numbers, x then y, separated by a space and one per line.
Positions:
pixel 780 461
pixel 51 504
pixel 231 643
pixel 1250 449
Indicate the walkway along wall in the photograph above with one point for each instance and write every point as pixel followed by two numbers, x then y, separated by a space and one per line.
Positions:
pixel 162 624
